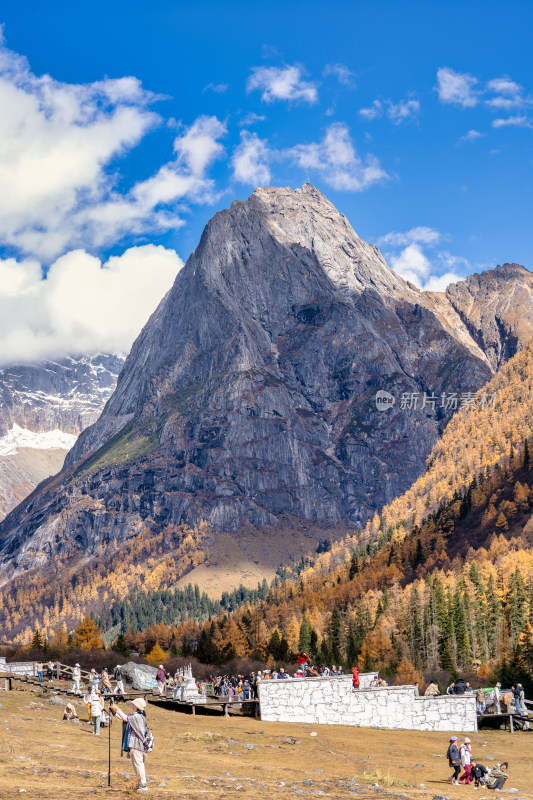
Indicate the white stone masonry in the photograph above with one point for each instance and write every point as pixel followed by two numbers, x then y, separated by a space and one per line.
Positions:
pixel 333 701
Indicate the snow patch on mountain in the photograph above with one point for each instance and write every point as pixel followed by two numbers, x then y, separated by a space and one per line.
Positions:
pixel 19 437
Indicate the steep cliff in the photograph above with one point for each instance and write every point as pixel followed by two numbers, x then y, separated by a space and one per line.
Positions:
pixel 250 396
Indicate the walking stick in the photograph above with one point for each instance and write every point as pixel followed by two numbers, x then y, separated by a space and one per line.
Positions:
pixel 109 746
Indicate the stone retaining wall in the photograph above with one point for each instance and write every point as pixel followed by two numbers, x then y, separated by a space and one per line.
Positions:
pixel 333 701
pixel 17 667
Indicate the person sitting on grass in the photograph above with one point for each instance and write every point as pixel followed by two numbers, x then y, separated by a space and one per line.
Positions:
pixel 69 713
pixel 497 776
pixel 479 773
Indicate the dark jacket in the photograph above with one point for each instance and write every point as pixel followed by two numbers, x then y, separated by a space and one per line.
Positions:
pixel 460 686
pixel 479 771
pixel 161 675
pixel 454 756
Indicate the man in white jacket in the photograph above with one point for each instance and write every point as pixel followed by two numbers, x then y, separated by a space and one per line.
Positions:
pixel 76 678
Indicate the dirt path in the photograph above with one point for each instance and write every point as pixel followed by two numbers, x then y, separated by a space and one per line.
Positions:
pixel 216 757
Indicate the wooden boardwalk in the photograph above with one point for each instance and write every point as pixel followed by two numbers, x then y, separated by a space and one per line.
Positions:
pixel 224 703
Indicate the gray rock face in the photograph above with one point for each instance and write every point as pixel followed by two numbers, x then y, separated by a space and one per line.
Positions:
pixel 66 396
pixel 249 397
pixel 497 307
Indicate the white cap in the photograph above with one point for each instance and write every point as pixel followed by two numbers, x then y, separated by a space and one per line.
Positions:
pixel 139 703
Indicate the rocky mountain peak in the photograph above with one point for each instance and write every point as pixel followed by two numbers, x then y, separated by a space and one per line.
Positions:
pixel 497 307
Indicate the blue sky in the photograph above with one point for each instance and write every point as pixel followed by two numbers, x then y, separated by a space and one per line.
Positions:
pixel 414 118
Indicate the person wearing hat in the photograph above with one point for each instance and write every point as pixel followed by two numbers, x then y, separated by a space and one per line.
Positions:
pixel 161 679
pixel 133 737
pixel 466 761
pixel 454 759
pixel 76 678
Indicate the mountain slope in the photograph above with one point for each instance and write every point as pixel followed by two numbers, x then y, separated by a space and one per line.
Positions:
pixel 43 408
pixel 249 397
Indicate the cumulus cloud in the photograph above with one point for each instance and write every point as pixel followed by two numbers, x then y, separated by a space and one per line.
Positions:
pixel 422 234
pixel 519 121
pixel 82 305
pixel 58 149
pixel 507 94
pixel 373 111
pixel 282 83
pixel 403 111
pixel 457 88
pixel 416 256
pixel 343 74
pixel 250 159
pixel 336 160
pixel 472 136
pixel 413 265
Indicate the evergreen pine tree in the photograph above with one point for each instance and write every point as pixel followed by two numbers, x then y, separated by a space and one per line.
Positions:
pixel 37 640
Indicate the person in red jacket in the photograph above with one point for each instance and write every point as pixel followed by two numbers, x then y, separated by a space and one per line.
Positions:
pixel 355 678
pixel 303 660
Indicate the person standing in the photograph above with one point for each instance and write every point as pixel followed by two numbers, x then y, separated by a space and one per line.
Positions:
pixel 516 690
pixel 93 680
pixel 134 736
pixel 497 702
pixel 96 710
pixel 161 678
pixel 454 759
pixel 355 678
pixel 106 682
pixel 497 776
pixel 76 677
pixel 39 671
pixel 480 701
pixel 466 761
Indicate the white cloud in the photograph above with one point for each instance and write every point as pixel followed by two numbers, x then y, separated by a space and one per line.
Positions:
pixel 337 162
pixel 421 234
pixel 471 136
pixel 251 118
pixel 82 305
pixel 402 111
pixel 504 85
pixel 520 121
pixel 282 83
pixel 457 88
pixel 439 283
pixel 218 88
pixel 250 159
pixel 343 74
pixel 413 265
pixel 429 272
pixel 58 149
pixel 373 111
pixel 509 94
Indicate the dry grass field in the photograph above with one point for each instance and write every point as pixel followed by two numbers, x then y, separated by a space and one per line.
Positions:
pixel 43 758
